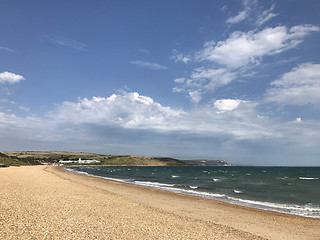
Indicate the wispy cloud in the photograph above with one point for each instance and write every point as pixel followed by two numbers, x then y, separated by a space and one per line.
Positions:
pixel 11 78
pixel 25 109
pixel 7 49
pixel 252 10
pixel 154 66
pixel 300 86
pixel 243 14
pixel 266 15
pixel 239 17
pixel 230 59
pixel 69 43
pixel 144 51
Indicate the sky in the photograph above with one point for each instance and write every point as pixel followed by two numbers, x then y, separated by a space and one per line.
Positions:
pixel 232 80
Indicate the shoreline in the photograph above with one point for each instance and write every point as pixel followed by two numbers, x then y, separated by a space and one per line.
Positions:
pixel 47 202
pixel 188 193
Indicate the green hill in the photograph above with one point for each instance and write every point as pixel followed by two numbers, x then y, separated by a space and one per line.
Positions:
pixel 6 161
pixel 109 160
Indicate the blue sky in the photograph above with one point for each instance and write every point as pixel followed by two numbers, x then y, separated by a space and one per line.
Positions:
pixel 233 80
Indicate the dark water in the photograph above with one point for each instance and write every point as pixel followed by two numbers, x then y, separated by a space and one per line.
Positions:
pixel 283 189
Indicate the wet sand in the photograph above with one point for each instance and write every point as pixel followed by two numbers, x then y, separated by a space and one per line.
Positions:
pixel 49 203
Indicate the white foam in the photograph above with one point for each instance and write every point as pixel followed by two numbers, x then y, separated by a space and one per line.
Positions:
pixel 193 187
pixel 301 210
pixel 237 191
pixel 308 178
pixel 216 179
pixel 175 176
pixel 155 184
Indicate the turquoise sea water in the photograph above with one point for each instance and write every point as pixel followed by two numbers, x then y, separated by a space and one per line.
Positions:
pixel 290 190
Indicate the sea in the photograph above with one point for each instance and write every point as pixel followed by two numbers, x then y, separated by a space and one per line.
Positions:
pixel 292 190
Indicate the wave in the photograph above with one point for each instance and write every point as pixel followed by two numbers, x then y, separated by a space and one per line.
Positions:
pixel 301 210
pixel 308 178
pixel 237 191
pixel 156 184
pixel 306 210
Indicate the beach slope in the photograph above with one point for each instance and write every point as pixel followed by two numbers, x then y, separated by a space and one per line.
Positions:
pixel 39 202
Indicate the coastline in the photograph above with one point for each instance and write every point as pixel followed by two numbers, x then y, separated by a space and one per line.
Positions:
pixel 51 203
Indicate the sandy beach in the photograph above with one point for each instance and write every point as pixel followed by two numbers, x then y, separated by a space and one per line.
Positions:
pixel 42 202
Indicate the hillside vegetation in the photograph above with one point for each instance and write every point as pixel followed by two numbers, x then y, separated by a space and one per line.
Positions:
pixel 6 161
pixel 109 160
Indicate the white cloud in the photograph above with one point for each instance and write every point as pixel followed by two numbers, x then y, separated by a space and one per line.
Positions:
pixel 179 57
pixel 300 86
pixel 179 80
pixel 67 42
pixel 8 77
pixel 265 16
pixel 224 105
pixel 195 96
pixel 241 49
pixel 134 111
pixel 154 66
pixel 178 90
pixel 132 122
pixel 238 18
pixel 252 11
pixel 212 78
pixel 204 80
pixel 243 14
pixel 128 110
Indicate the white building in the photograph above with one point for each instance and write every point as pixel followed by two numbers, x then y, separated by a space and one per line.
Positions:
pixel 80 161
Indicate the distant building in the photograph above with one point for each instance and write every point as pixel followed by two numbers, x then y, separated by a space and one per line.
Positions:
pixel 87 161
pixel 80 161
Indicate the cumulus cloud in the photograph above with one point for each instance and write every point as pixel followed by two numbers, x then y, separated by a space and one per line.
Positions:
pixel 154 66
pixel 9 77
pixel 128 110
pixel 241 48
pixel 136 112
pixel 131 110
pixel 300 86
pixel 131 123
pixel 224 105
